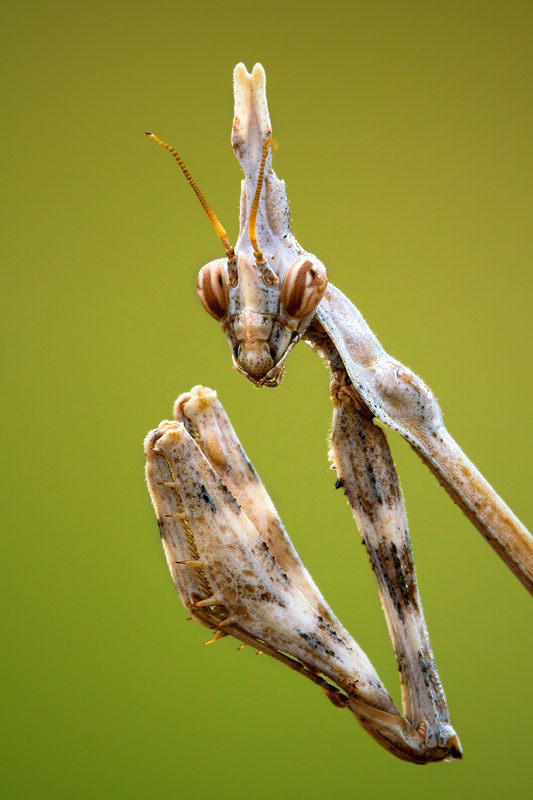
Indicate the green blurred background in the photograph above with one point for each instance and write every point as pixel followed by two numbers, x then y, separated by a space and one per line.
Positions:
pixel 404 132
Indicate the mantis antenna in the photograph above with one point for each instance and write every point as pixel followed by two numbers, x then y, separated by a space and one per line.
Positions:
pixel 221 233
pixel 268 274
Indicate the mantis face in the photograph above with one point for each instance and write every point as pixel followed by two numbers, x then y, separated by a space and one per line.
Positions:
pixel 263 313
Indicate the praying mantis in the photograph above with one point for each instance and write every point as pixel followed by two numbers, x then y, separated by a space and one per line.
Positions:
pixel 230 558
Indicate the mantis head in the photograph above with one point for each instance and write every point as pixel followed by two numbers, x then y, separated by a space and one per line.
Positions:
pixel 264 293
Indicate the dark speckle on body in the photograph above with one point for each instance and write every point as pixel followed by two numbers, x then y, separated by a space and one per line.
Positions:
pixel 206 497
pixel 323 624
pixel 405 573
pixel 315 642
pixel 373 482
pixel 231 499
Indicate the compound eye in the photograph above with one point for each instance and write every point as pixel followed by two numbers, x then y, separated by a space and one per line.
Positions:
pixel 304 287
pixel 211 288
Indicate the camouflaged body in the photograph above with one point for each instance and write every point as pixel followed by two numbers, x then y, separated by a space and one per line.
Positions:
pixel 231 560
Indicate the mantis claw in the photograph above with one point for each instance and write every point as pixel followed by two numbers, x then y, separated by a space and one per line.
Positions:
pixel 245 564
pixel 209 601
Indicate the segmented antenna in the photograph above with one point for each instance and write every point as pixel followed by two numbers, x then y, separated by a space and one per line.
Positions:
pixel 268 274
pixel 252 233
pixel 222 235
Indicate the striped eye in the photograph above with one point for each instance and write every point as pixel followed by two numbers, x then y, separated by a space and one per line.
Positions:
pixel 304 287
pixel 211 288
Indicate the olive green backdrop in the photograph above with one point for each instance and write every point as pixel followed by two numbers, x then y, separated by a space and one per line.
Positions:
pixel 404 132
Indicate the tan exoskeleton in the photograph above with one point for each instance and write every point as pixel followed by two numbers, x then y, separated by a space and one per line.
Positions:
pixel 230 558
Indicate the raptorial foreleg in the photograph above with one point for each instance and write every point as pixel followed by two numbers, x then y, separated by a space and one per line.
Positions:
pixel 246 580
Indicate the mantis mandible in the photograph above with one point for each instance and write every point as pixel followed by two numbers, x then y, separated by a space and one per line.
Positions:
pixel 231 561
